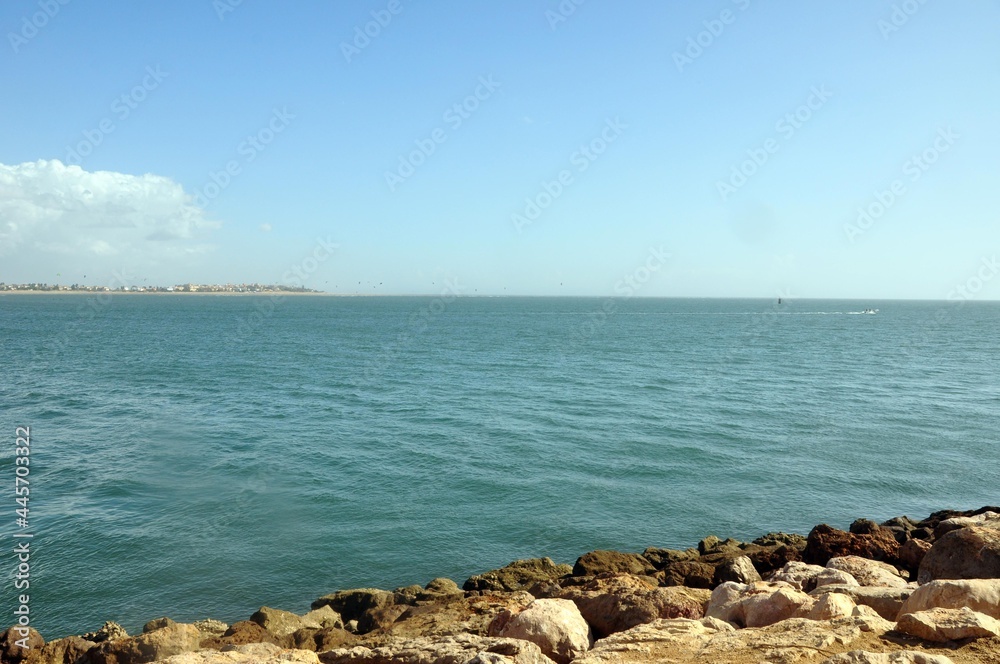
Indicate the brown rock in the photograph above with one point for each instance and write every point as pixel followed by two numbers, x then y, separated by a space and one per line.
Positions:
pixel 616 603
pixel 456 649
pixel 614 562
pixel 519 575
pixel 149 647
pixel 940 625
pixel 157 623
pixel 876 543
pixel 241 633
pixel 660 558
pixel 740 570
pixel 966 553
pixel 690 573
pixel 912 553
pixel 110 631
pixel 65 651
pixel 455 615
pixel 361 604
pixel 12 651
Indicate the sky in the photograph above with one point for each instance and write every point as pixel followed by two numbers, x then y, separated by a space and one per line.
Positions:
pixel 725 148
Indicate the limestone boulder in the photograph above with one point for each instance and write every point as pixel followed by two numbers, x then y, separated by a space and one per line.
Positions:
pixel 149 647
pixel 965 553
pixel 556 626
pixel 109 631
pixel 739 569
pixel 868 572
pixel 985 519
pixel 757 604
pixel 887 602
pixel 519 575
pixel 282 623
pixel 254 653
pixel 982 595
pixel 457 649
pixel 690 573
pixel 799 575
pixel 898 657
pixel 16 643
pixel 912 553
pixel 616 603
pixel 875 543
pixel 456 615
pixel 613 562
pixel 242 633
pixel 830 607
pixel 941 625
pixel 68 650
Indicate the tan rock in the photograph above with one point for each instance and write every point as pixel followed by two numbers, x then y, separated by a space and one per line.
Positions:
pixel 739 569
pixel 868 572
pixel 986 519
pixel 868 620
pixel 798 575
pixel 941 625
pixel 63 651
pixel 282 623
pixel 456 615
pixel 616 603
pixel 149 647
pixel 457 649
pixel 13 640
pixel 325 617
pixel 834 577
pixel 966 553
pixel 254 653
pixel 757 604
pixel 912 553
pixel 614 562
pixel 981 595
pixel 831 606
pixel 886 601
pixel 554 625
pixel 898 657
pixel 519 575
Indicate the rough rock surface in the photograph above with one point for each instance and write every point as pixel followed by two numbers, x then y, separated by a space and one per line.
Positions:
pixel 799 575
pixel 985 519
pixel 825 542
pixel 886 601
pixel 981 595
pixel 740 570
pixel 614 562
pixel 868 572
pixel 941 625
pixel 282 623
pixel 757 604
pixel 519 575
pixel 242 633
pixel 690 573
pixel 10 651
pixel 616 603
pixel 966 553
pixel 554 625
pixel 109 631
pixel 149 647
pixel 64 651
pixel 254 653
pixel 472 615
pixel 898 657
pixel 459 649
pixel 832 606
pixel 912 553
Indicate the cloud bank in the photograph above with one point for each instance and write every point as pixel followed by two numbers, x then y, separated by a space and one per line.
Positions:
pixel 53 212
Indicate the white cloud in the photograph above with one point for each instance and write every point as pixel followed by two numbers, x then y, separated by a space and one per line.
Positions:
pixel 54 212
pixel 266 228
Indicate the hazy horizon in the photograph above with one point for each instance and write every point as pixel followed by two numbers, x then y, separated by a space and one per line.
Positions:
pixel 727 150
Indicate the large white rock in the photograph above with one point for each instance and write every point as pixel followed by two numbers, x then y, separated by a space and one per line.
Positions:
pixel 799 575
pixel 554 625
pixel 898 657
pixel 868 572
pixel 887 601
pixel 254 653
pixel 832 606
pixel 981 595
pixel 940 625
pixel 757 604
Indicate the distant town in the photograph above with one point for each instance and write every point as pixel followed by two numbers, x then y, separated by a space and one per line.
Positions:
pixel 180 288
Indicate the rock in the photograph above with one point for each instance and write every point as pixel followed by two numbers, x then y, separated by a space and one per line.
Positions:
pixel 329 638
pixel 838 577
pixel 868 572
pixel 798 575
pixel 966 553
pixel 456 615
pixel 898 657
pixel 110 631
pixel 831 606
pixel 64 651
pixel 157 623
pixel 985 519
pixel 613 604
pixel 283 623
pixel 209 627
pixel 519 575
pixel 690 573
pixel 758 604
pixel 615 562
pixel 440 587
pixel 242 633
pixel 554 625
pixel 981 595
pixel 912 553
pixel 457 649
pixel 781 539
pixel 325 617
pixel 868 619
pixel 901 527
pixel 887 602
pixel 254 653
pixel 668 640
pixel 940 625
pixel 365 605
pixel 740 570
pixel 875 543
pixel 12 651
pixel 149 647
pixel 660 558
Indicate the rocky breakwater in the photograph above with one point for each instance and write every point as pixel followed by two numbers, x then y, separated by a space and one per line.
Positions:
pixel 903 591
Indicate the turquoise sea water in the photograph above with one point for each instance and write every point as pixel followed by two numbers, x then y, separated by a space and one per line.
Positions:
pixel 199 456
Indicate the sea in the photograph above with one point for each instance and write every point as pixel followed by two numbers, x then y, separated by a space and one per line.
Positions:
pixel 199 456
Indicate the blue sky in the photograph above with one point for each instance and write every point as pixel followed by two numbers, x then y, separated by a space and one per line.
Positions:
pixel 739 137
